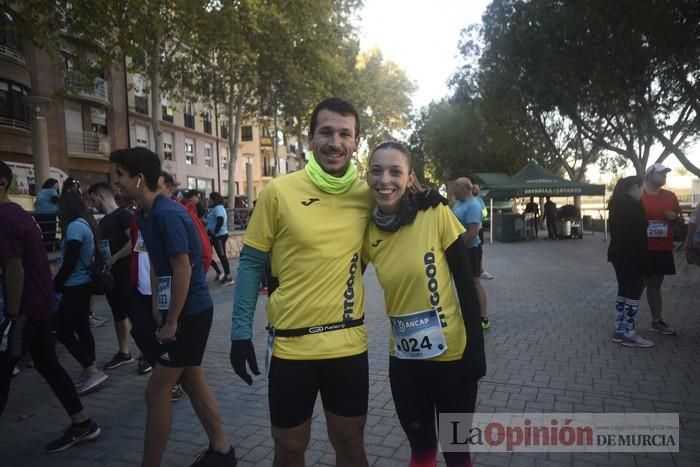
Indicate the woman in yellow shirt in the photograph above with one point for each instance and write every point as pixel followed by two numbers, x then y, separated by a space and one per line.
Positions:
pixel 436 343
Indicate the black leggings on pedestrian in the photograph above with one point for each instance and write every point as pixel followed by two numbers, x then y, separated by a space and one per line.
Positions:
pixel 36 339
pixel 73 324
pixel 219 244
pixel 422 389
pixel 630 281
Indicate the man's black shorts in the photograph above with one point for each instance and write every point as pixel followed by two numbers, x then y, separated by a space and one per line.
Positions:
pixel 474 254
pixel 662 263
pixel 192 335
pixel 294 384
pixel 121 299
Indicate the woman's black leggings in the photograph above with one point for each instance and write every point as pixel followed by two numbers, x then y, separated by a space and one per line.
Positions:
pixel 219 244
pixel 74 324
pixel 36 339
pixel 422 389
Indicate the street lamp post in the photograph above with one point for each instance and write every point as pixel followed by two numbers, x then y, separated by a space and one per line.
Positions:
pixel 40 140
pixel 250 193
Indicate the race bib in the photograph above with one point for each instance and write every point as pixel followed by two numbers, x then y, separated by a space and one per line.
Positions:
pixel 418 336
pixel 140 246
pixel 657 229
pixel 164 287
pixel 104 249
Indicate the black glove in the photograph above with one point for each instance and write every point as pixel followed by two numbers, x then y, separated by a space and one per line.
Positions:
pixel 429 198
pixel 242 352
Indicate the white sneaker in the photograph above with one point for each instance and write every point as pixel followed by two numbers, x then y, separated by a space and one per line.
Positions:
pixel 486 275
pixel 80 380
pixel 96 321
pixel 93 380
pixel 636 341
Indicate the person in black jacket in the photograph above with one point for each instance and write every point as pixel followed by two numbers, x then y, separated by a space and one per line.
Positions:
pixel 630 258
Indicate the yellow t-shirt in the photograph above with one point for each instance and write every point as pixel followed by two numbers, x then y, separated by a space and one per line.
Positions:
pixel 314 240
pixel 409 261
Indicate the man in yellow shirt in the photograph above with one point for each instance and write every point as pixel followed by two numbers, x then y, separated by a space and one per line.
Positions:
pixel 310 225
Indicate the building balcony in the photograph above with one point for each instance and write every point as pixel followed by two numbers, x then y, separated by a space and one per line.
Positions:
pixel 16 124
pixel 265 142
pixel 74 83
pixel 88 145
pixel 12 54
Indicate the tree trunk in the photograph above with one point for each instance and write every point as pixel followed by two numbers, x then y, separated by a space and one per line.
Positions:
pixel 300 151
pixel 156 109
pixel 234 131
pixel 275 145
pixel 680 155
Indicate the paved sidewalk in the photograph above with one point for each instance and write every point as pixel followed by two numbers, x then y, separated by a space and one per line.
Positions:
pixel 551 309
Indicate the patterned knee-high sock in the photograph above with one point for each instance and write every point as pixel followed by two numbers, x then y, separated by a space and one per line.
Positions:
pixel 631 308
pixel 620 315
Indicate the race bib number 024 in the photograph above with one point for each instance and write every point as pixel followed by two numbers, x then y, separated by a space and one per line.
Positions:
pixel 418 336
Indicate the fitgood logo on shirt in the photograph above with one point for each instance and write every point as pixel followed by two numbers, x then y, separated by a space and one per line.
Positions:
pixel 430 273
pixel 349 295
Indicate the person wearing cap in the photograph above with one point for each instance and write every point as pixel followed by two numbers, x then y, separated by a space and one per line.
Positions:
pixel 71 184
pixel 662 212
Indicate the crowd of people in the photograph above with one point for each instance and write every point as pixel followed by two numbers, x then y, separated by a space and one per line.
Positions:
pixel 313 233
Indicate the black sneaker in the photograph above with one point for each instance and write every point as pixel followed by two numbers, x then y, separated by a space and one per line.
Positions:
pixel 143 366
pixel 72 436
pixel 176 393
pixel 118 360
pixel 212 458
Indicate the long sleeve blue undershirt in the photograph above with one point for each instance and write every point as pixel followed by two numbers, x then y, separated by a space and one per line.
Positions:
pixel 251 270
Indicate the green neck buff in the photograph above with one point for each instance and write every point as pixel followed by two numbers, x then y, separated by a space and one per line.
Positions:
pixel 327 182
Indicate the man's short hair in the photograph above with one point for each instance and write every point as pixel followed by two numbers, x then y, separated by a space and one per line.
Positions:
pixel 139 161
pixel 339 106
pixel 100 188
pixel 168 179
pixel 6 173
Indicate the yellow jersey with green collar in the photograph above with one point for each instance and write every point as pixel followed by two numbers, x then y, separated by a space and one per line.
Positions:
pixel 314 240
pixel 412 269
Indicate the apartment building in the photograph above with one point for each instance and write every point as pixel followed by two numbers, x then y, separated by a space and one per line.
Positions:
pixel 51 115
pixel 196 147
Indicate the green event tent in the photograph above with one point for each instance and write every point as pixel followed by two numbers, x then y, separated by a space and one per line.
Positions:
pixel 533 180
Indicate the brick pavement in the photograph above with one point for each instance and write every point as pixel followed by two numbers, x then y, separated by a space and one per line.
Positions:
pixel 548 350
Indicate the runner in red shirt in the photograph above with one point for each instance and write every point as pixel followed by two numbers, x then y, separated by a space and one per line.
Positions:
pixel 662 211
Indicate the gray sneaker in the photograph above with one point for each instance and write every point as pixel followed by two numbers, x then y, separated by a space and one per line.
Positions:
pixel 636 341
pixel 80 380
pixel 661 327
pixel 93 380
pixel 96 321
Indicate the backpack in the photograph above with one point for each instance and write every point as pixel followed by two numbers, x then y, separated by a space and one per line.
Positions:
pixel 101 278
pixel 203 237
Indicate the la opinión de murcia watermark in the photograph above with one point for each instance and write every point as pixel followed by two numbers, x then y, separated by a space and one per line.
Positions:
pixel 559 432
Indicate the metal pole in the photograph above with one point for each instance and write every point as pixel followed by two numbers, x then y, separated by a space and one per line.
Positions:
pixel 492 221
pixel 250 193
pixel 605 216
